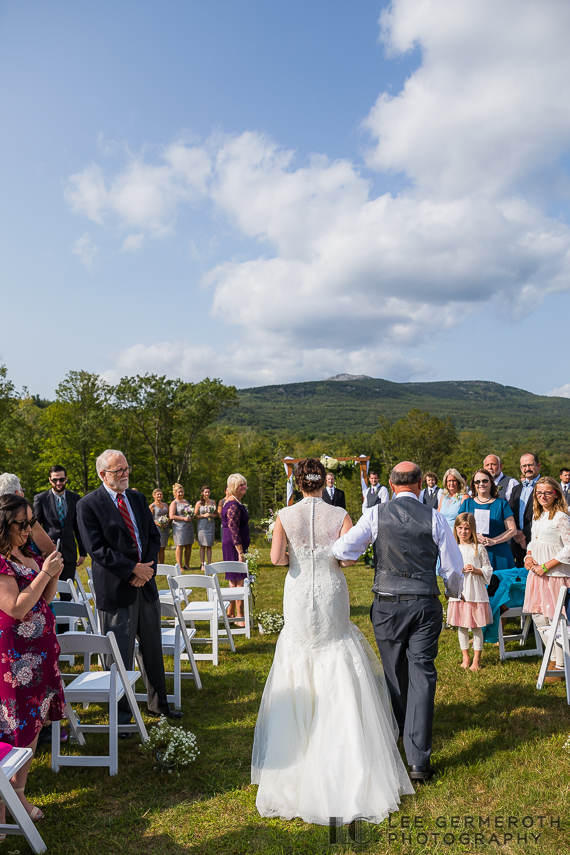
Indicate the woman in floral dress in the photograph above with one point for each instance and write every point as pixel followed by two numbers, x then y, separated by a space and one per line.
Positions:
pixel 31 691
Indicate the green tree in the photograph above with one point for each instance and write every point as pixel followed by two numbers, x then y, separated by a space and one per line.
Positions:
pixel 8 402
pixel 162 420
pixel 419 437
pixel 78 427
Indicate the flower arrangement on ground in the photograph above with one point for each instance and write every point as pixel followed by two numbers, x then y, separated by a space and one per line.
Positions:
pixel 252 557
pixel 173 746
pixel 270 621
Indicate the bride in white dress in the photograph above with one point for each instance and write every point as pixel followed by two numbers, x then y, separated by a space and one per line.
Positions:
pixel 325 738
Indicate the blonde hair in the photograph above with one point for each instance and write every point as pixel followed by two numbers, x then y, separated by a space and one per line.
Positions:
pixel 462 488
pixel 234 481
pixel 559 503
pixel 175 488
pixel 158 490
pixel 470 520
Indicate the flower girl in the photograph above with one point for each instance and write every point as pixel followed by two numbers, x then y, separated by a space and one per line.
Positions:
pixel 474 612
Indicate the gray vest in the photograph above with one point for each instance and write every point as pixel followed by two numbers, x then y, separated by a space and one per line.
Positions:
pixel 431 501
pixel 502 485
pixel 373 498
pixel 405 555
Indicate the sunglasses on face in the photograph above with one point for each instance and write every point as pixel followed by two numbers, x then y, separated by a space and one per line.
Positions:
pixel 58 480
pixel 24 524
pixel 484 481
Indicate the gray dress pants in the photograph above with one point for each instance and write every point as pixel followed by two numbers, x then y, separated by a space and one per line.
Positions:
pixel 140 621
pixel 407 633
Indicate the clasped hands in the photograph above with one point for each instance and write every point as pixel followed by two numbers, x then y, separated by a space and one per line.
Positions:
pixel 141 574
pixel 531 564
pixel 485 541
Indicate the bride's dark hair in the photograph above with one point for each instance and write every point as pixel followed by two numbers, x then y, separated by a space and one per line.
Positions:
pixel 310 475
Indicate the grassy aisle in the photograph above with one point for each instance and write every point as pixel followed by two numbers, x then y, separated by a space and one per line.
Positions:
pixel 498 743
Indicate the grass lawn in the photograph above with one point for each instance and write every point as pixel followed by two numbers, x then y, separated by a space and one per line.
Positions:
pixel 497 741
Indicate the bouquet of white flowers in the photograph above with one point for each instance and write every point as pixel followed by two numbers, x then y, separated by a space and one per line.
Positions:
pixel 331 464
pixel 188 512
pixel 173 746
pixel 163 521
pixel 269 621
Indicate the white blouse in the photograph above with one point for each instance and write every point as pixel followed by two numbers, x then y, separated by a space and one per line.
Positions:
pixel 474 586
pixel 550 538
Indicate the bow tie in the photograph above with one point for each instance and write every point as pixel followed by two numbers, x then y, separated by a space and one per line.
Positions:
pixel 527 483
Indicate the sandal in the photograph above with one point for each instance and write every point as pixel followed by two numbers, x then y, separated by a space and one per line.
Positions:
pixel 35 813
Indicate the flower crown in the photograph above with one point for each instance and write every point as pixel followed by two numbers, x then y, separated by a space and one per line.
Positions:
pixel 312 477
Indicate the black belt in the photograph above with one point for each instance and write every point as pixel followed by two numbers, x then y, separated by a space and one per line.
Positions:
pixel 398 598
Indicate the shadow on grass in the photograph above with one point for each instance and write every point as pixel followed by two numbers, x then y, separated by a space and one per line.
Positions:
pixel 271 838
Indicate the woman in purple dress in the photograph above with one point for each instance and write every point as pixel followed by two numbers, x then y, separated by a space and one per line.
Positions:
pixel 235 536
pixel 31 691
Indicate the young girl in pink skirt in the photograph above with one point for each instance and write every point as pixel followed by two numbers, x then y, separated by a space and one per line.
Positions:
pixel 474 611
pixel 548 562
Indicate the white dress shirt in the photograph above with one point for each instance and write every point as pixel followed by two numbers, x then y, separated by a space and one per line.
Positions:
pixel 354 543
pixel 382 493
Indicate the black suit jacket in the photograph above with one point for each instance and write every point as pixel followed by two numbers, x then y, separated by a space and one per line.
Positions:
pixel 518 552
pixel 45 512
pixel 113 553
pixel 338 500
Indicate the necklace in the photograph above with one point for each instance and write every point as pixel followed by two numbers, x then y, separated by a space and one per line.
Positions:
pixel 484 501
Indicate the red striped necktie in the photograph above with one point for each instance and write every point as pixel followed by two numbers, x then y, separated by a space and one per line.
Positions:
pixel 124 512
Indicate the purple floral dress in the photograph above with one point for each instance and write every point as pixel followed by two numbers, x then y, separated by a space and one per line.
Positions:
pixel 31 690
pixel 235 532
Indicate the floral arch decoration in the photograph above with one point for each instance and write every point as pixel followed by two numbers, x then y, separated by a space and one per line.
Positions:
pixel 331 464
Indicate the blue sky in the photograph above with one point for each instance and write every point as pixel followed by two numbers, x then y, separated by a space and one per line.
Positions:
pixel 272 192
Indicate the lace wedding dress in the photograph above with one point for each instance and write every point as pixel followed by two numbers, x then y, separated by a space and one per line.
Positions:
pixel 325 738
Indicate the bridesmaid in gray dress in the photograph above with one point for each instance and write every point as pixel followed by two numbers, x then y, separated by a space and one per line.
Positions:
pixel 181 513
pixel 205 512
pixel 159 509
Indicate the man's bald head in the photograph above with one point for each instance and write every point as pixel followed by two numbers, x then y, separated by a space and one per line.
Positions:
pixel 406 476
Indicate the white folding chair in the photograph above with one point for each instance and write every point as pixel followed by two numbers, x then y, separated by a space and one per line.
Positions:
pixel 521 637
pixel 242 593
pixel 212 610
pixel 76 612
pixel 106 687
pixel 165 596
pixel 176 642
pixel 557 634
pixel 22 823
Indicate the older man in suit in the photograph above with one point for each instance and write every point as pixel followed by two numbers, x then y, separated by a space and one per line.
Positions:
pixel 521 503
pixel 123 541
pixel 565 483
pixel 55 510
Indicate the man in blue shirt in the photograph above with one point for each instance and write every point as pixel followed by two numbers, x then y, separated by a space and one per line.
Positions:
pixel 521 502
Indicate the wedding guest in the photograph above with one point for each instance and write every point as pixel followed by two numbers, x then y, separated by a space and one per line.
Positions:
pixel 31 690
pixel 205 513
pixel 181 513
pixel 565 483
pixel 159 509
pixel 10 485
pixel 504 483
pixel 56 512
pixel 472 611
pixel 235 536
pixel 548 562
pixel 376 494
pixel 522 504
pixel 494 517
pixel 222 502
pixel 332 495
pixel 452 494
pixel 431 493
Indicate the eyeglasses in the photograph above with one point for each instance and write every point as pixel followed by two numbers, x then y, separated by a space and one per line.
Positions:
pixel 453 481
pixel 58 480
pixel 24 524
pixel 126 471
pixel 484 481
pixel 546 494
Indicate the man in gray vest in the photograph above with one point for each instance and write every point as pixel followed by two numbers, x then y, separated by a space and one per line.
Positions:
pixel 406 614
pixel 504 483
pixel 376 494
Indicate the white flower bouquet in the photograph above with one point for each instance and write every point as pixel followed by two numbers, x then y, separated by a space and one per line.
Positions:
pixel 331 464
pixel 270 621
pixel 173 746
pixel 163 521
pixel 188 513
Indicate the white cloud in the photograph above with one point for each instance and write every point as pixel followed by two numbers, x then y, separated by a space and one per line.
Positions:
pixel 85 250
pixel 261 362
pixel 342 277
pixel 132 243
pixel 561 392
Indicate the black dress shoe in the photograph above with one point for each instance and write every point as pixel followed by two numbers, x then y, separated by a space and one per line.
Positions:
pixel 421 773
pixel 125 735
pixel 170 714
